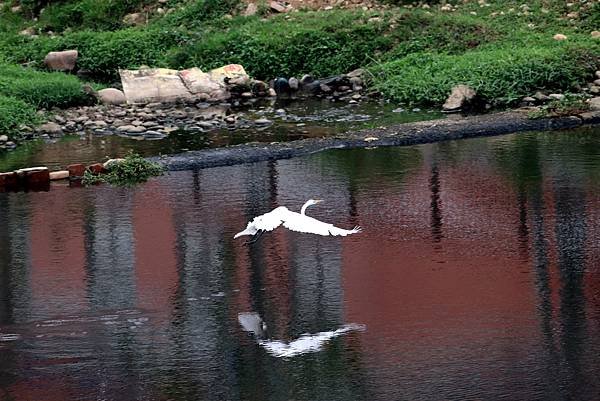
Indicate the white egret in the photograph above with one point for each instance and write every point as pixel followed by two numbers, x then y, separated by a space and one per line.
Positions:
pixel 294 221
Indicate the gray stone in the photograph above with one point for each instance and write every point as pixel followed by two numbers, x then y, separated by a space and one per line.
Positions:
pixel 556 96
pixel 251 9
pixel 460 96
pixel 595 90
pixel 263 121
pixel 3 138
pixel 528 99
pixel 111 96
pixel 134 19
pixel 61 61
pixel 52 129
pixel 597 82
pixel 306 79
pixel 594 103
pixel 325 88
pixel 294 83
pixel 597 74
pixel 358 73
pixel 541 97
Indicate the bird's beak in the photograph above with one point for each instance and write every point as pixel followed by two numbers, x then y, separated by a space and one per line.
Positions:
pixel 318 200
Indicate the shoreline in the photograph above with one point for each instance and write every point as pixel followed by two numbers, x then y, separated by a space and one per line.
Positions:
pixel 396 135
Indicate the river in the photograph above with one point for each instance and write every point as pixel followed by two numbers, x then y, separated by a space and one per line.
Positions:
pixel 476 276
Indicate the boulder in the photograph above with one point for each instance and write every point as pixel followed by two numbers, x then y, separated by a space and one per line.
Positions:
pixel 541 97
pixel 294 83
pixel 595 34
pixel 8 180
pixel 52 129
pixel 460 97
pixel 97 168
pixel 594 103
pixel 229 71
pixel 251 9
pixel 134 19
pixel 278 7
pixel 61 61
pixel 281 86
pixel 559 36
pixel 3 138
pixel 151 85
pixel 111 96
pixel 197 81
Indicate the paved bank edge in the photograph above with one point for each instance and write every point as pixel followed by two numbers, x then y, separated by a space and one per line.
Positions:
pixel 396 135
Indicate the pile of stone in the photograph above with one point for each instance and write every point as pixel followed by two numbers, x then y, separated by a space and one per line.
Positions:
pixel 39 178
pixel 151 121
pixel 341 87
pixel 6 144
pixel 591 91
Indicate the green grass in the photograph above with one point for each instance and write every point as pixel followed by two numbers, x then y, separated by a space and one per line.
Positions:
pixel 14 113
pixel 40 89
pixel 499 74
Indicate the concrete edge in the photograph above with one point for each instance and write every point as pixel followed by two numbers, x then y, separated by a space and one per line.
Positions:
pixel 396 135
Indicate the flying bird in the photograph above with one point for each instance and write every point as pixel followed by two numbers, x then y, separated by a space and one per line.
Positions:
pixel 294 221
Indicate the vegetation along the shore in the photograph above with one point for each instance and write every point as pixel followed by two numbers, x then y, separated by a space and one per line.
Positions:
pixel 414 52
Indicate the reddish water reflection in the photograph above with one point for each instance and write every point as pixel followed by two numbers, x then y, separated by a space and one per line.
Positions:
pixel 477 277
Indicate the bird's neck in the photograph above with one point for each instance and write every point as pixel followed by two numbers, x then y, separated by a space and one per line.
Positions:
pixel 304 207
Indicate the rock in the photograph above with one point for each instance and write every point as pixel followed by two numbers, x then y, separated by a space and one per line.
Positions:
pixel 15 9
pixel 595 34
pixel 356 97
pixel 59 119
pixel 110 162
pixel 229 71
pixel 306 79
pixel 100 124
pixel 356 82
pixel 272 92
pixel 556 96
pixel 594 103
pixel 135 19
pixel 541 97
pixel 528 99
pixel 111 96
pixel 276 6
pixel 281 86
pixel 460 97
pixel 263 121
pixel 559 36
pixel 597 74
pixel 52 129
pixel 61 61
pixel 259 86
pixel 199 82
pixel 28 31
pixel 59 175
pixel 294 83
pixel 3 138
pixel 591 117
pixel 325 88
pixel 251 9
pixel 153 85
pixel 358 73
pixel 595 90
pixel 597 82
pixel 352 102
pixel 154 135
pixel 247 95
pixel 76 170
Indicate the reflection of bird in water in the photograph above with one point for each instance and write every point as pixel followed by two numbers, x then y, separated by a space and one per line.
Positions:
pixel 252 323
pixel 293 221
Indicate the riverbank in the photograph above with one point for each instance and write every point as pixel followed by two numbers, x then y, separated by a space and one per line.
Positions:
pixel 396 135
pixel 414 53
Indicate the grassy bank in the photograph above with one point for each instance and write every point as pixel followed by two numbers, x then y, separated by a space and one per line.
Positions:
pixel 504 49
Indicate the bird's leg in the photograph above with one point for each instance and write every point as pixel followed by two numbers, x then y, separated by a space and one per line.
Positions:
pixel 256 237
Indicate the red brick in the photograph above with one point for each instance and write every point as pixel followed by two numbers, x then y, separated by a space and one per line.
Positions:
pixel 76 170
pixel 97 168
pixel 8 180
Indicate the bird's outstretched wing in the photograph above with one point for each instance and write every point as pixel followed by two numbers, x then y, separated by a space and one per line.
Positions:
pixel 272 220
pixel 306 224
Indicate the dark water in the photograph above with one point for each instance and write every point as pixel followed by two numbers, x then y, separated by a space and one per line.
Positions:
pixel 477 277
pixel 292 120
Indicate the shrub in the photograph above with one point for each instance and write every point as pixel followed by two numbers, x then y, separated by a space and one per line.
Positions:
pixel 134 169
pixel 14 113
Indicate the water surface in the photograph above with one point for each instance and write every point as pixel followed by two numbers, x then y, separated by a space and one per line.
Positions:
pixel 477 277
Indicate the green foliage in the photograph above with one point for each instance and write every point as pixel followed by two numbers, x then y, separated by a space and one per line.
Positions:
pixel 502 74
pixel 14 113
pixel 196 13
pixel 41 89
pixel 569 105
pixel 134 169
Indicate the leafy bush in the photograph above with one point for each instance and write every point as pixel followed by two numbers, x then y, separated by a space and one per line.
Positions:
pixel 13 113
pixel 504 74
pixel 41 89
pixel 134 169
